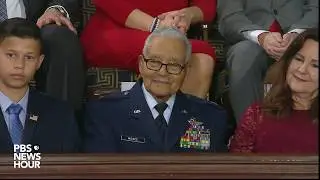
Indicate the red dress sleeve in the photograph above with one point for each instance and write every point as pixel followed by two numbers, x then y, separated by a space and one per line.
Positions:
pixel 118 10
pixel 244 138
pixel 208 8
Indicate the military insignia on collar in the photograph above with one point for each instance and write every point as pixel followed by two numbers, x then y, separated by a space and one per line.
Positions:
pixel 184 111
pixel 196 136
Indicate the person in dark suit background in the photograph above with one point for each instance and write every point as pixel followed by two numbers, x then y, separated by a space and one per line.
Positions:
pixel 258 33
pixel 62 73
pixel 28 116
pixel 155 116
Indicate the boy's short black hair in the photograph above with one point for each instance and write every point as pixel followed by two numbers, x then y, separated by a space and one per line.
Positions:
pixel 21 28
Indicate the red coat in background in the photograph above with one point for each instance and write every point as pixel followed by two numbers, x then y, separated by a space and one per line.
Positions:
pixel 108 43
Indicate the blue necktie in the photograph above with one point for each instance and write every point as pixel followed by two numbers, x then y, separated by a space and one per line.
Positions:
pixel 16 128
pixel 3 10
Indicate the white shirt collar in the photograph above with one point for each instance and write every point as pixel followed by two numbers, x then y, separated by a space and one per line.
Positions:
pixel 5 101
pixel 151 101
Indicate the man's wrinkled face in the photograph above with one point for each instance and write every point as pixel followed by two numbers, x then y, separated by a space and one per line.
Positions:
pixel 163 50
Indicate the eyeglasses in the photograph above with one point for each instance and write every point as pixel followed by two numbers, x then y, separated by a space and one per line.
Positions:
pixel 155 65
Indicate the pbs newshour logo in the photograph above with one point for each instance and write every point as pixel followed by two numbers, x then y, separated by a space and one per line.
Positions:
pixel 26 156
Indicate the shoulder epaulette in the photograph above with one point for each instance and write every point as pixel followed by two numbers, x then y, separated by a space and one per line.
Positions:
pixel 205 102
pixel 115 96
pixel 216 105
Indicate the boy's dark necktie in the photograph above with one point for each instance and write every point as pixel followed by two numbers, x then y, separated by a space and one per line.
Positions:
pixel 16 128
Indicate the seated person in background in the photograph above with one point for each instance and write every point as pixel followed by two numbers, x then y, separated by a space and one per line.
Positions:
pixel 62 72
pixel 27 116
pixel 154 116
pixel 287 119
pixel 259 32
pixel 115 35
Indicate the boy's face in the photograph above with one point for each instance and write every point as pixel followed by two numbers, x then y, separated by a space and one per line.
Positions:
pixel 20 58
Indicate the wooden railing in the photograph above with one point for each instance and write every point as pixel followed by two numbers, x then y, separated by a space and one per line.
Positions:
pixel 167 166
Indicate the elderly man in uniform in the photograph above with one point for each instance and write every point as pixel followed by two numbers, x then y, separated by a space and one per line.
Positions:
pixel 155 116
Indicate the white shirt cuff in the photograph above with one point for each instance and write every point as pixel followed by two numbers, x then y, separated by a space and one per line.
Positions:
pixel 297 31
pixel 54 6
pixel 253 35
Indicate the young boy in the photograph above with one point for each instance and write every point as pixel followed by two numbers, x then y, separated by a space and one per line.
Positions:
pixel 27 116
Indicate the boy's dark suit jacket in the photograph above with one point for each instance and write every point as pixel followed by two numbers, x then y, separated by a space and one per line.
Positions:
pixel 55 130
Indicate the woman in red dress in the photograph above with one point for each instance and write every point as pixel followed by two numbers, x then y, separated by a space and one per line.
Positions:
pixel 115 35
pixel 287 119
